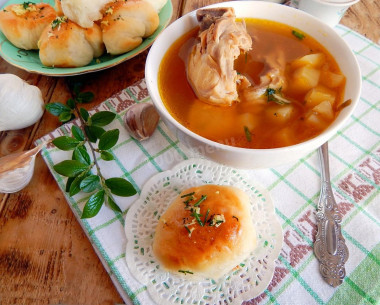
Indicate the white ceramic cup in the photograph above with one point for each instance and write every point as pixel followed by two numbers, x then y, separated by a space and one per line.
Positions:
pixel 328 11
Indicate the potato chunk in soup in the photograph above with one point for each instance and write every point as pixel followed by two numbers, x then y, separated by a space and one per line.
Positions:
pixel 296 89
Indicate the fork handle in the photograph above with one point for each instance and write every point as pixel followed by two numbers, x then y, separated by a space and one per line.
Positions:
pixel 329 247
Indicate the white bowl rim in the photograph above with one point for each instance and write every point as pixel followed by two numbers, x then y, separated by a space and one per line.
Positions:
pixel 315 141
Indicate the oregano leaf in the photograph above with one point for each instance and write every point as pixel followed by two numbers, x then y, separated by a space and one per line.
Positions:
pixel 57 108
pixel 112 204
pixel 77 133
pixel 90 134
pixel 106 156
pixel 70 168
pixel 68 183
pixel 102 118
pixel 93 205
pixel 85 97
pixel 120 187
pixel 90 183
pixel 108 139
pixel 75 186
pixel 84 114
pixel 96 131
pixel 65 116
pixel 66 143
pixel 81 155
pixel 71 103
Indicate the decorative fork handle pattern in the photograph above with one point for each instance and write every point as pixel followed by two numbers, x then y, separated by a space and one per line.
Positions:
pixel 329 247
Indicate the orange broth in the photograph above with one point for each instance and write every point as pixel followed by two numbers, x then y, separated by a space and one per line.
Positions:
pixel 230 124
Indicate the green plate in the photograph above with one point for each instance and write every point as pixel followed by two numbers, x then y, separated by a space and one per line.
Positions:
pixel 30 61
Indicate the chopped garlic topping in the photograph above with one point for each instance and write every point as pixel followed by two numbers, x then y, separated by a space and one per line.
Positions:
pixel 217 220
pixel 105 22
pixel 109 11
pixel 20 9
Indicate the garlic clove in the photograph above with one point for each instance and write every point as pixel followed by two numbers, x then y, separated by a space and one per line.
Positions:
pixel 16 170
pixel 141 120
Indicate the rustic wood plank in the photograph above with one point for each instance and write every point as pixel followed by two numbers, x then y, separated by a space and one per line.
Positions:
pixel 364 17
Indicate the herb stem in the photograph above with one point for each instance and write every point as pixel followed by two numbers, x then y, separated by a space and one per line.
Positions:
pixel 203 198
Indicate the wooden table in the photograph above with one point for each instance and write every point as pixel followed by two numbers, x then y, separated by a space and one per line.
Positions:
pixel 45 257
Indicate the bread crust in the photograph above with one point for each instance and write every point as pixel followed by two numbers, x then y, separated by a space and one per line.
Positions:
pixel 125 24
pixel 23 25
pixel 69 45
pixel 209 251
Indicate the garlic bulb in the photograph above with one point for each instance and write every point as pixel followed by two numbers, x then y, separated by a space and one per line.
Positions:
pixel 141 120
pixel 21 104
pixel 16 170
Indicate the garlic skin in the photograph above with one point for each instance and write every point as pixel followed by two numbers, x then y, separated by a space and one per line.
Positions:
pixel 21 104
pixel 16 170
pixel 141 120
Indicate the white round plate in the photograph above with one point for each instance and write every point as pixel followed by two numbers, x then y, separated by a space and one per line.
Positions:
pixel 250 278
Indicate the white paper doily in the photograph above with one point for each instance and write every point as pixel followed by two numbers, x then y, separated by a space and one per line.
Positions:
pixel 245 282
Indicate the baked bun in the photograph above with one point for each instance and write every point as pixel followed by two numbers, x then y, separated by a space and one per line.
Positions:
pixel 65 44
pixel 23 24
pixel 126 23
pixel 214 247
pixel 83 12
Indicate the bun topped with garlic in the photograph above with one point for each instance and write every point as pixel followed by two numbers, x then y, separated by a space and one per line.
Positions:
pixel 206 232
pixel 126 23
pixel 83 12
pixel 23 24
pixel 65 44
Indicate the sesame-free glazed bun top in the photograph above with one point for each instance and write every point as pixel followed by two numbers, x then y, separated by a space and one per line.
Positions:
pixel 205 232
pixel 23 24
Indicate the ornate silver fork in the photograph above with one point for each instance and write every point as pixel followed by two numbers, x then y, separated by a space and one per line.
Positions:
pixel 329 246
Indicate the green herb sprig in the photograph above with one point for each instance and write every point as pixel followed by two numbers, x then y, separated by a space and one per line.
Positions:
pixel 298 35
pixel 83 170
pixel 275 95
pixel 25 5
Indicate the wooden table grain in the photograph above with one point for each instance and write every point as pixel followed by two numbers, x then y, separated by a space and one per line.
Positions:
pixel 45 257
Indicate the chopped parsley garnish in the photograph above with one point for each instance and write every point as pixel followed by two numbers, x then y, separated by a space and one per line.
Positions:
pixel 274 95
pixel 217 220
pixel 299 35
pixel 25 5
pixel 188 230
pixel 187 195
pixel 205 220
pixel 247 134
pixel 185 271
pixel 203 198
pixel 57 21
pixel 195 213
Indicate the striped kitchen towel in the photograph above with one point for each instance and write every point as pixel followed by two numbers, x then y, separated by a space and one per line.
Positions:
pixel 355 174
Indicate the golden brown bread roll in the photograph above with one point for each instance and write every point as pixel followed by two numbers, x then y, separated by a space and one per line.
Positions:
pixel 83 12
pixel 23 24
pixel 125 24
pixel 66 44
pixel 206 239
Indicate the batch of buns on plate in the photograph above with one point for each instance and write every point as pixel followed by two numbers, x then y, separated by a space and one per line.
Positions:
pixel 76 31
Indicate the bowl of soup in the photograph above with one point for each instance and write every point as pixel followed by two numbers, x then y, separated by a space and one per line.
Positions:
pixel 303 84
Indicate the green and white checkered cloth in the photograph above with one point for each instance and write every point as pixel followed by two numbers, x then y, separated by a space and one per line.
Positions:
pixel 355 172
